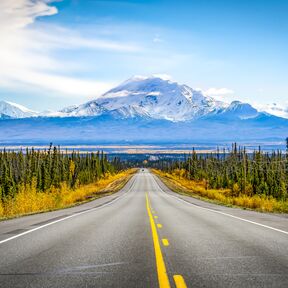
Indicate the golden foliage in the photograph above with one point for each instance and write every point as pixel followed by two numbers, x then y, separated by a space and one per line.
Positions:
pixel 29 200
pixel 1 210
pixel 179 183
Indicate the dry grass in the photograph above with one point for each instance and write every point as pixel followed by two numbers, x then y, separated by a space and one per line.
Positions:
pixel 29 200
pixel 185 186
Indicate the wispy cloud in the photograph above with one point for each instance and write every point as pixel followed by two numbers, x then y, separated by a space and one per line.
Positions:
pixel 27 49
pixel 219 92
pixel 163 76
pixel 19 13
pixel 56 37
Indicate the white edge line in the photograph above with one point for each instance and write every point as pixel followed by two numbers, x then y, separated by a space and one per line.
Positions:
pixel 222 213
pixel 68 217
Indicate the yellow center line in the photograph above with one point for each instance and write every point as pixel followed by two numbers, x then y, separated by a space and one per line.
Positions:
pixel 165 242
pixel 159 225
pixel 160 264
pixel 179 281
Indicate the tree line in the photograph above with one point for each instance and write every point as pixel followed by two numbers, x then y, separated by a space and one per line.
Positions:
pixel 51 168
pixel 256 173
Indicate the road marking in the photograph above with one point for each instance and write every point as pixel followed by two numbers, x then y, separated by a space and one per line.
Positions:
pixel 165 242
pixel 222 213
pixel 68 217
pixel 156 217
pixel 179 281
pixel 159 225
pixel 160 264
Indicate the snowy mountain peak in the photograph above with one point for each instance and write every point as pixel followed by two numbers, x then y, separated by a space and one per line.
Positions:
pixel 13 110
pixel 154 97
pixel 244 108
pixel 159 98
pixel 239 110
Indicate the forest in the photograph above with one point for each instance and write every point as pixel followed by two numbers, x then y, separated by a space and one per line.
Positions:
pixel 33 180
pixel 241 173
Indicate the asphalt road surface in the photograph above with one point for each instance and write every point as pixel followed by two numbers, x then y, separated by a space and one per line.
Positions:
pixel 145 236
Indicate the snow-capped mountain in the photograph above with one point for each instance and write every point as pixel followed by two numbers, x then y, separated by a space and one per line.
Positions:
pixel 150 97
pixel 238 110
pixel 13 110
pixel 91 108
pixel 142 109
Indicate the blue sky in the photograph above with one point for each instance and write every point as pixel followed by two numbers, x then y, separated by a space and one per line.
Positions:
pixel 58 53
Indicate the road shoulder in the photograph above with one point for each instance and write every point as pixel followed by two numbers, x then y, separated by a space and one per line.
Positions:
pixel 12 227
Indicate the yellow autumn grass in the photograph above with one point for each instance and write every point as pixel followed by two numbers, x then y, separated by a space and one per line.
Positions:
pixel 28 200
pixel 180 184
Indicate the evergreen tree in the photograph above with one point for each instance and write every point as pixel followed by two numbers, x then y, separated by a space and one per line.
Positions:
pixel 50 168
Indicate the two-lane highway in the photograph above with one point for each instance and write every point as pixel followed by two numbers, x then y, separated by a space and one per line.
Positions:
pixel 145 236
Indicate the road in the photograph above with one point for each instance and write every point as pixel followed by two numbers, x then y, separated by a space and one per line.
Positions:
pixel 145 236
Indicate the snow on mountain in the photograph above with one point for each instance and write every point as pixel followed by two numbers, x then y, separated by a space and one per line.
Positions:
pixel 151 97
pixel 152 109
pixel 154 97
pixel 239 110
pixel 13 110
pixel 91 108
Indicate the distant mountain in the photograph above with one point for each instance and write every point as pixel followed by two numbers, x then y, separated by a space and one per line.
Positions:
pixel 236 110
pixel 109 129
pixel 143 109
pixel 150 97
pixel 157 98
pixel 13 110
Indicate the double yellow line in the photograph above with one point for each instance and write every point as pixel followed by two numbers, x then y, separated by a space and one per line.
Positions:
pixel 160 264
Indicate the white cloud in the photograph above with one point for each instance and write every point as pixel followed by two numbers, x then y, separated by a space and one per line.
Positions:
pixel 219 92
pixel 163 76
pixel 68 86
pixel 27 50
pixel 17 14
pixel 277 109
pixel 62 38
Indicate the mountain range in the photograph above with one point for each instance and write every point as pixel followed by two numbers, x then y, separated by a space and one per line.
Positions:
pixel 143 109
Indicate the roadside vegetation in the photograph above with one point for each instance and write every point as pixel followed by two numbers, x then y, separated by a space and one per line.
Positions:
pixel 257 180
pixel 36 181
